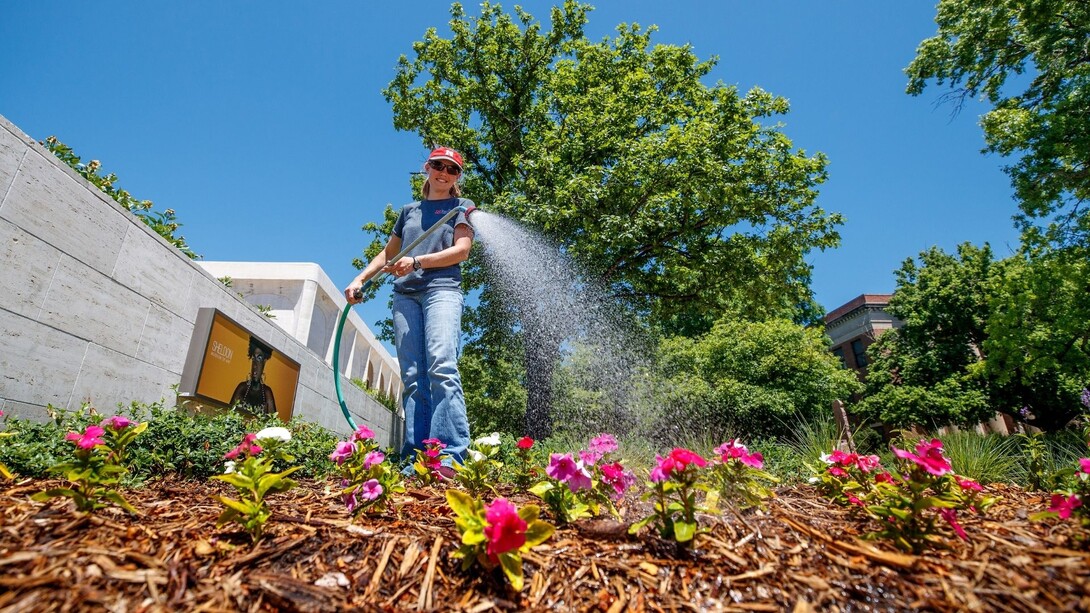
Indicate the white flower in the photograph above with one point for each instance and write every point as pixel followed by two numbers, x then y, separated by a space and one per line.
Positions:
pixel 475 455
pixel 825 457
pixel 492 440
pixel 276 433
pixel 228 467
pixel 812 480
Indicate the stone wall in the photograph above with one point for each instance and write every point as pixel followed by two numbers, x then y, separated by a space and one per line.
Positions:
pixel 96 307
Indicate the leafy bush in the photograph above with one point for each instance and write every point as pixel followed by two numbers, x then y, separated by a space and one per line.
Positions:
pixel 176 441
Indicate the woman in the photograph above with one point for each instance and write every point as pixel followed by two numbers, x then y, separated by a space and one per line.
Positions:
pixel 253 392
pixel 427 308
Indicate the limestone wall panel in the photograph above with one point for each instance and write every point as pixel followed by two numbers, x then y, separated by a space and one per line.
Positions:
pixel 39 364
pixel 64 212
pixel 28 266
pixel 92 306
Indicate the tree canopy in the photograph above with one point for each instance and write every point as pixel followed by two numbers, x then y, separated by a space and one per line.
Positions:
pixel 1031 61
pixel 684 199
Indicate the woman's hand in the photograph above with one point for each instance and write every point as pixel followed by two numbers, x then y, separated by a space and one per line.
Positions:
pixel 351 290
pixel 400 268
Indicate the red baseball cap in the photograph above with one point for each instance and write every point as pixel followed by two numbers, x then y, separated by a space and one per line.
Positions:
pixel 446 153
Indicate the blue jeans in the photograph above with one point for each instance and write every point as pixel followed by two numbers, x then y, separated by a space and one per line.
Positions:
pixel 427 334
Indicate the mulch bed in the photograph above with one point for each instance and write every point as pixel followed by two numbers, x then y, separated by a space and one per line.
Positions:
pixel 802 554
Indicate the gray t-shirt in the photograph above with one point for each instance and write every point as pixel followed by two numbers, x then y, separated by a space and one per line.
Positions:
pixel 415 219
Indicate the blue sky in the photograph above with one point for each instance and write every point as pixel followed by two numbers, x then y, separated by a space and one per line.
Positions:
pixel 263 124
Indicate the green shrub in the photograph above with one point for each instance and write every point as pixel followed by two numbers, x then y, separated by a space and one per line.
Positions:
pixel 986 458
pixel 190 445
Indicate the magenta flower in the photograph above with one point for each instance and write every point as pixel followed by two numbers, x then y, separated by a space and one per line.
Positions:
pixel 969 484
pixel 344 450
pixel 505 530
pixel 731 449
pixel 525 443
pixel 951 517
pixel 603 444
pixel 350 501
pixel 434 443
pixel 837 471
pixel 370 490
pixel 373 458
pixel 88 438
pixel 928 456
pixel 246 447
pixel 1084 465
pixel 868 463
pixel 589 458
pixel 117 422
pixel 883 477
pixel 561 467
pixel 683 458
pixel 1064 505
pixel 362 433
pixel 753 460
pixel 615 476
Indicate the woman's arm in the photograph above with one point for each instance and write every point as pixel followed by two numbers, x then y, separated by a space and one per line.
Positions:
pixel 373 267
pixel 455 254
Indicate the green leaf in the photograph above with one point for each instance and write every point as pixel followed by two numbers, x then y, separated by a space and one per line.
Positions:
pixel 684 531
pixel 537 532
pixel 462 504
pixel 541 489
pixel 512 567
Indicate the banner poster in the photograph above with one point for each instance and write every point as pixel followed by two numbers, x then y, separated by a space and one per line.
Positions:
pixel 231 367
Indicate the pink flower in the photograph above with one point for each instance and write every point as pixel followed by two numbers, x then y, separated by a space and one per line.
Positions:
pixel 603 444
pixel 731 449
pixel 505 529
pixel 433 442
pixel 753 460
pixel 683 458
pixel 855 500
pixel 928 456
pixel 344 450
pixel 883 477
pixel 589 458
pixel 1064 505
pixel 362 433
pixel 837 471
pixel 350 501
pixel 88 438
pixel 370 490
pixel 868 463
pixel 375 457
pixel 662 469
pixel 1084 465
pixel 246 447
pixel 951 517
pixel 561 466
pixel 969 484
pixel 525 442
pixel 117 422
pixel 615 476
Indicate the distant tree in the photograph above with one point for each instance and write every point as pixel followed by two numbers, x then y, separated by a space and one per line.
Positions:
pixel 981 336
pixel 1038 343
pixel 747 379
pixel 921 373
pixel 991 49
pixel 684 199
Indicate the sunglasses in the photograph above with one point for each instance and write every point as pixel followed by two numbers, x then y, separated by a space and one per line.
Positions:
pixel 450 169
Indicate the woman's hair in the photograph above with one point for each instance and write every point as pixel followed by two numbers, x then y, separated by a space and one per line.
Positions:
pixel 258 346
pixel 455 190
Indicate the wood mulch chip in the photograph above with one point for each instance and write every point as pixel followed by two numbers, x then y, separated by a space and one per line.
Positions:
pixel 802 554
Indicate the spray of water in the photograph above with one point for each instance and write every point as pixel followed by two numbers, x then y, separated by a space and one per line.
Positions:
pixel 595 362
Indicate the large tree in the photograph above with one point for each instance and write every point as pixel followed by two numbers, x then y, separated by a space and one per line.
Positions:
pixel 1031 61
pixel 981 336
pixel 683 198
pixel 921 373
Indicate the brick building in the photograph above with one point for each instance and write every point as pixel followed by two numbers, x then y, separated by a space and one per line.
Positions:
pixel 855 325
